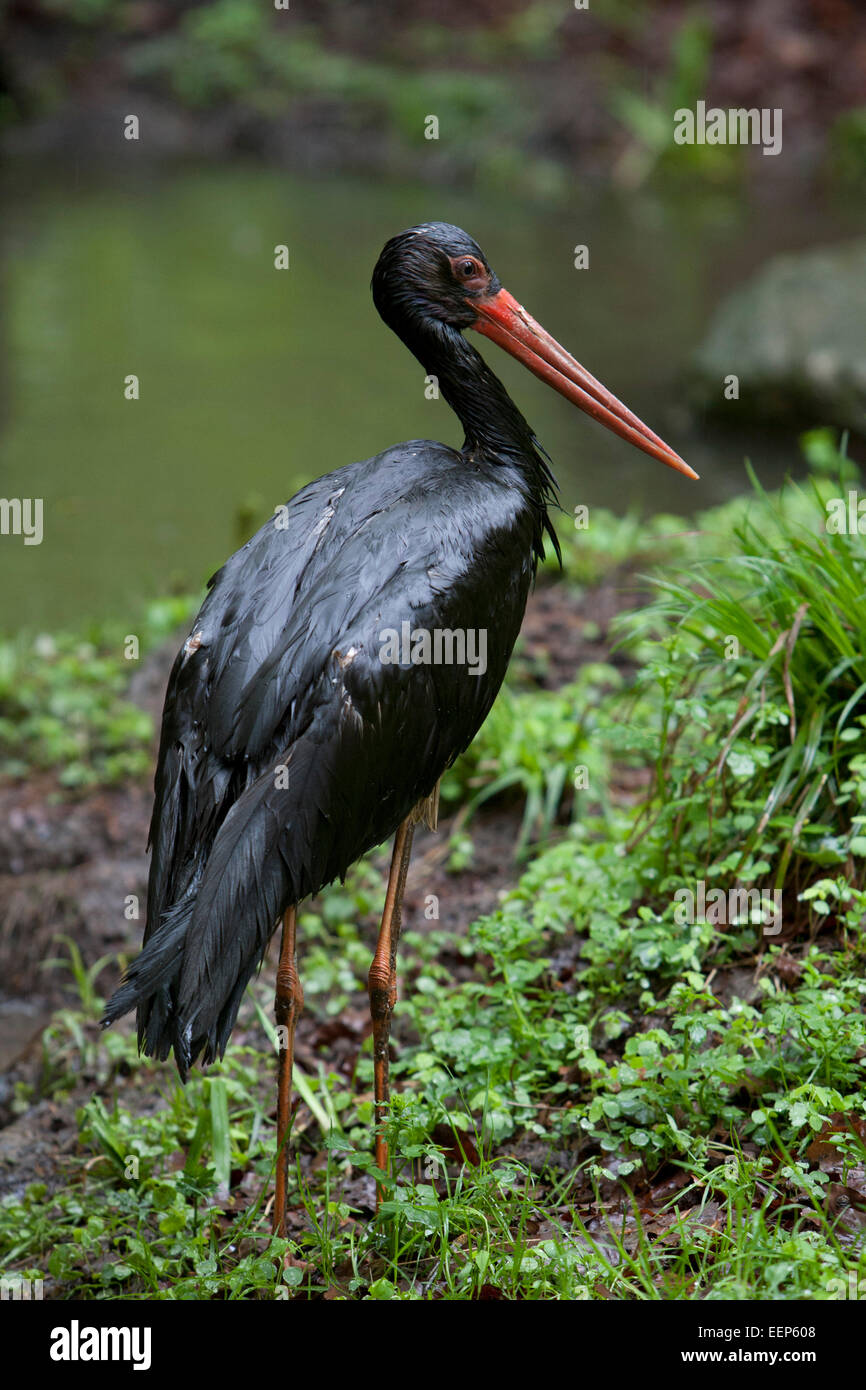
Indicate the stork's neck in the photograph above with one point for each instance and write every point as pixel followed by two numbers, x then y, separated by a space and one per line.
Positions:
pixel 490 419
pixel 491 422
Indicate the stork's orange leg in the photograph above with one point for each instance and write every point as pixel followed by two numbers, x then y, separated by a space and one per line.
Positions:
pixel 288 1002
pixel 382 984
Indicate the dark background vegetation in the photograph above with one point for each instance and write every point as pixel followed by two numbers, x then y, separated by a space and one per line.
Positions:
pixel 537 93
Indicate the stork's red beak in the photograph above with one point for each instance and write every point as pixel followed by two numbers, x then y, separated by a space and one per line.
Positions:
pixel 507 323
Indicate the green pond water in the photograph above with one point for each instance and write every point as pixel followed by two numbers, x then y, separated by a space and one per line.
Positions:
pixel 253 381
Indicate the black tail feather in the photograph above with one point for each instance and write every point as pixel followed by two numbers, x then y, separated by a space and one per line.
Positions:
pixel 150 983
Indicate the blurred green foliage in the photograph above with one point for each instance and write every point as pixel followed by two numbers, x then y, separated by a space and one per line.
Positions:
pixel 848 146
pixel 648 117
pixel 230 51
pixel 505 82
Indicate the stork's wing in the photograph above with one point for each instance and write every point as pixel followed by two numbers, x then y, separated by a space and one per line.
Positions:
pixel 289 745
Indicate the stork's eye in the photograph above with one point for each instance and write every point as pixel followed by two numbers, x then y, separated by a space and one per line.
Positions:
pixel 469 271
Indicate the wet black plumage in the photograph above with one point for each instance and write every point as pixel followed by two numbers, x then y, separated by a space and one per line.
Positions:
pixel 288 747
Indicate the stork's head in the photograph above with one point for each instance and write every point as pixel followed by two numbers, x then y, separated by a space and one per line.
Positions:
pixel 435 278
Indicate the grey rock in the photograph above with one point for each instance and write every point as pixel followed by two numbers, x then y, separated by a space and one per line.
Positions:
pixel 795 337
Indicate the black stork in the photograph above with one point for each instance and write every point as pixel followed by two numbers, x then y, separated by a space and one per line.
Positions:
pixel 293 740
